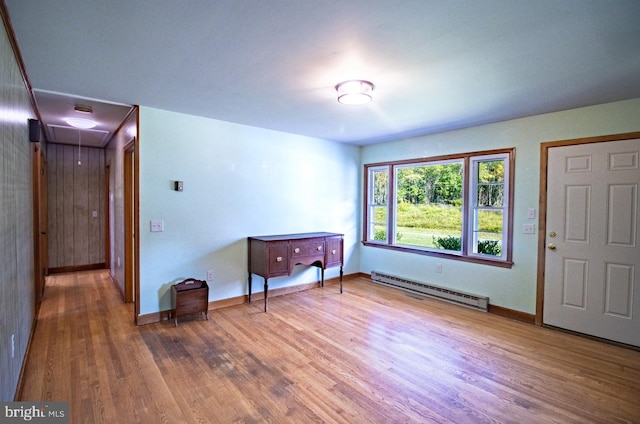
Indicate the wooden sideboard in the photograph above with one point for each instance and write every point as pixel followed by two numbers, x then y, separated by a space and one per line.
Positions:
pixel 275 256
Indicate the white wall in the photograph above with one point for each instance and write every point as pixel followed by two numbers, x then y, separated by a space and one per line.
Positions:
pixel 511 288
pixel 239 181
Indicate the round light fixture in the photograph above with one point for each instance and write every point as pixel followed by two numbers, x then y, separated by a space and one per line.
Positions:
pixel 354 92
pixel 81 123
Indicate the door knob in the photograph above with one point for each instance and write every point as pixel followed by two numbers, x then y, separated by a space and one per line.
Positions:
pixel 552 246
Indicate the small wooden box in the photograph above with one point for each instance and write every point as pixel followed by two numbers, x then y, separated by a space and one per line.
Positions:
pixel 189 297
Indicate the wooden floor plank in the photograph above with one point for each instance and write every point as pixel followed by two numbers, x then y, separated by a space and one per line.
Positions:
pixel 369 355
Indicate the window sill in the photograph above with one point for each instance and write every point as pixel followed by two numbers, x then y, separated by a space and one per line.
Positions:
pixel 445 255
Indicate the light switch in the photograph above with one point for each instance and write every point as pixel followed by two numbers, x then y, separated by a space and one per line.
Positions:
pixel 157 226
pixel 528 229
pixel 531 213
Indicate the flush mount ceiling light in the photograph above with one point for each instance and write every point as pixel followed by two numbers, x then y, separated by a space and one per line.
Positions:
pixel 354 92
pixel 81 123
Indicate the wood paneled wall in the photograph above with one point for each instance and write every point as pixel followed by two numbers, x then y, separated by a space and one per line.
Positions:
pixel 76 206
pixel 17 290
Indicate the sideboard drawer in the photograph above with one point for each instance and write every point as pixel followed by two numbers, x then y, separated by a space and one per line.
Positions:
pixel 278 257
pixel 334 254
pixel 309 247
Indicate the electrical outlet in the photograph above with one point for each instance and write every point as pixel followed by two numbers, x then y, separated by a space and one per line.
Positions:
pixel 438 268
pixel 157 226
pixel 210 275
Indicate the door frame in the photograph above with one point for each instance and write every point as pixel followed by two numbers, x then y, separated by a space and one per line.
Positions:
pixel 542 207
pixel 40 221
pixel 131 226
pixel 107 215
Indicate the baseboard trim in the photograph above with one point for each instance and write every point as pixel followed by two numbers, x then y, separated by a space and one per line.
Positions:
pixel 512 314
pixel 77 268
pixel 18 394
pixel 151 318
pixel 115 283
pixel 239 300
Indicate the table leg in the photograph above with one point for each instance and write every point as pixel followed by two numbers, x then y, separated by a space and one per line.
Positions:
pixel 341 278
pixel 266 293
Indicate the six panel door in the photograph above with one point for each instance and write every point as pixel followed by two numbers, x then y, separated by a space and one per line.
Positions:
pixel 592 256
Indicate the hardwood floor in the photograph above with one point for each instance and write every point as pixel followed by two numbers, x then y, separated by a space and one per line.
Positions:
pixel 371 355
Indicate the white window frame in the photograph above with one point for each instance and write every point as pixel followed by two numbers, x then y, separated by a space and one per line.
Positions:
pixel 472 201
pixel 371 213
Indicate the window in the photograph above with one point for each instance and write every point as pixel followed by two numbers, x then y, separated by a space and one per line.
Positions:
pixel 378 204
pixel 459 206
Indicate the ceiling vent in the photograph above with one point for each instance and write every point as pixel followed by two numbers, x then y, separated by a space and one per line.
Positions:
pixel 83 109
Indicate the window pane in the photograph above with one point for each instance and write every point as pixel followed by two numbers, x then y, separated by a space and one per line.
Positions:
pixel 380 187
pixel 379 223
pixel 429 205
pixel 491 183
pixel 378 199
pixel 488 236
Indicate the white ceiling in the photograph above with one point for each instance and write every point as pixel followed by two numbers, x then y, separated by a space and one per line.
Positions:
pixel 55 108
pixel 436 65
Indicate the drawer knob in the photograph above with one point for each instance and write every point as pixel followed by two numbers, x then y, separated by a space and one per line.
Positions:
pixel 333 252
pixel 279 259
pixel 297 250
pixel 319 247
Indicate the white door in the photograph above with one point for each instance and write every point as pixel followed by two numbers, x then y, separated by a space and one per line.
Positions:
pixel 592 262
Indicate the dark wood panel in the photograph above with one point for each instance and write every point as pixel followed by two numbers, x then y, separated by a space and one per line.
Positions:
pixel 96 224
pixel 80 196
pixel 75 192
pixel 67 178
pixel 370 355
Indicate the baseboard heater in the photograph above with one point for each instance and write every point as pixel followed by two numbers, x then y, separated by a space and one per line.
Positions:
pixel 461 298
